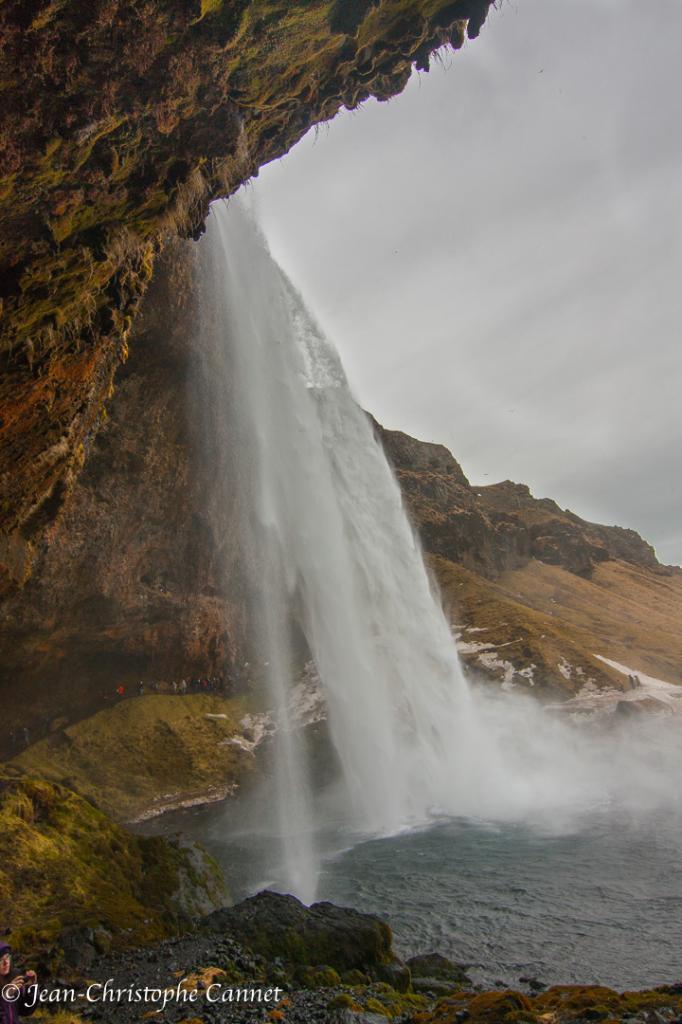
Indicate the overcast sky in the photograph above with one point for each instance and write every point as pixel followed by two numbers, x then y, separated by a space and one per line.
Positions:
pixel 497 255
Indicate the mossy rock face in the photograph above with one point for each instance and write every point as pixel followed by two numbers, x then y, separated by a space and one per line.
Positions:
pixel 354 978
pixel 274 925
pixel 317 977
pixel 74 884
pixel 102 158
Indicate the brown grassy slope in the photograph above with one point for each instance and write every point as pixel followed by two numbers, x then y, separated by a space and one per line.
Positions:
pixel 624 612
pixel 512 637
pixel 545 616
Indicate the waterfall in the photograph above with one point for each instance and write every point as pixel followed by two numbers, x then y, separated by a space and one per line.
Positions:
pixel 331 540
pixel 334 560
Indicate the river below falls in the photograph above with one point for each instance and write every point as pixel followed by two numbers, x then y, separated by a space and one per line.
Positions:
pixel 598 903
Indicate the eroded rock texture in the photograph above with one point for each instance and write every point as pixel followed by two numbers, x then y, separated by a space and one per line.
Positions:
pixel 139 577
pixel 498 527
pixel 120 122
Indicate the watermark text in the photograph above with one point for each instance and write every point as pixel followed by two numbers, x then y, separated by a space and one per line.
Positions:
pixel 34 996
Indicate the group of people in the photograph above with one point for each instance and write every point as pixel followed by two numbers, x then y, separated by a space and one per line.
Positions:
pixel 21 737
pixel 196 684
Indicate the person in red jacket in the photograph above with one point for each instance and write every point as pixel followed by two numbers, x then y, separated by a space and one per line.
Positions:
pixel 15 999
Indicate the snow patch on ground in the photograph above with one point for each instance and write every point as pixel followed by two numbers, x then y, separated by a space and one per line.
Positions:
pixel 472 646
pixel 488 658
pixel 180 801
pixel 306 700
pixel 255 728
pixel 652 694
pixel 306 706
pixel 649 686
pixel 528 673
pixel 492 663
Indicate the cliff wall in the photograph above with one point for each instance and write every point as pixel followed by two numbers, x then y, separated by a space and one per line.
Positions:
pixel 138 578
pixel 499 527
pixel 121 121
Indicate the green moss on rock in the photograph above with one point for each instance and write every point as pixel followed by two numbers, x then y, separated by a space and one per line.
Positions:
pixel 561 1004
pixel 65 866
pixel 318 977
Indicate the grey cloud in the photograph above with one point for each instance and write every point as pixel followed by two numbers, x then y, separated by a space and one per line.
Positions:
pixel 497 254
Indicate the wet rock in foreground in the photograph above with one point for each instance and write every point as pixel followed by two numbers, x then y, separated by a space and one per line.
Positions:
pixel 278 926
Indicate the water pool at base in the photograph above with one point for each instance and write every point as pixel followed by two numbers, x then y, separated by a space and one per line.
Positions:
pixel 602 904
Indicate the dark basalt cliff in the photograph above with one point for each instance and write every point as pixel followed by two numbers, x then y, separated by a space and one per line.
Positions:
pixel 119 553
pixel 500 527
pixel 120 122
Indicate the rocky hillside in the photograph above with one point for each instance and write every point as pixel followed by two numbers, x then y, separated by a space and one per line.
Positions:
pixel 120 122
pixel 537 593
pixel 500 527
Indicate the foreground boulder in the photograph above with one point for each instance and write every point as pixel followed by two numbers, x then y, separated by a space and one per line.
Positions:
pixel 434 965
pixel 276 926
pixel 434 974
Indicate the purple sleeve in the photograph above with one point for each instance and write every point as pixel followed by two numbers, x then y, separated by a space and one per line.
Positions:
pixel 7 1014
pixel 21 1004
